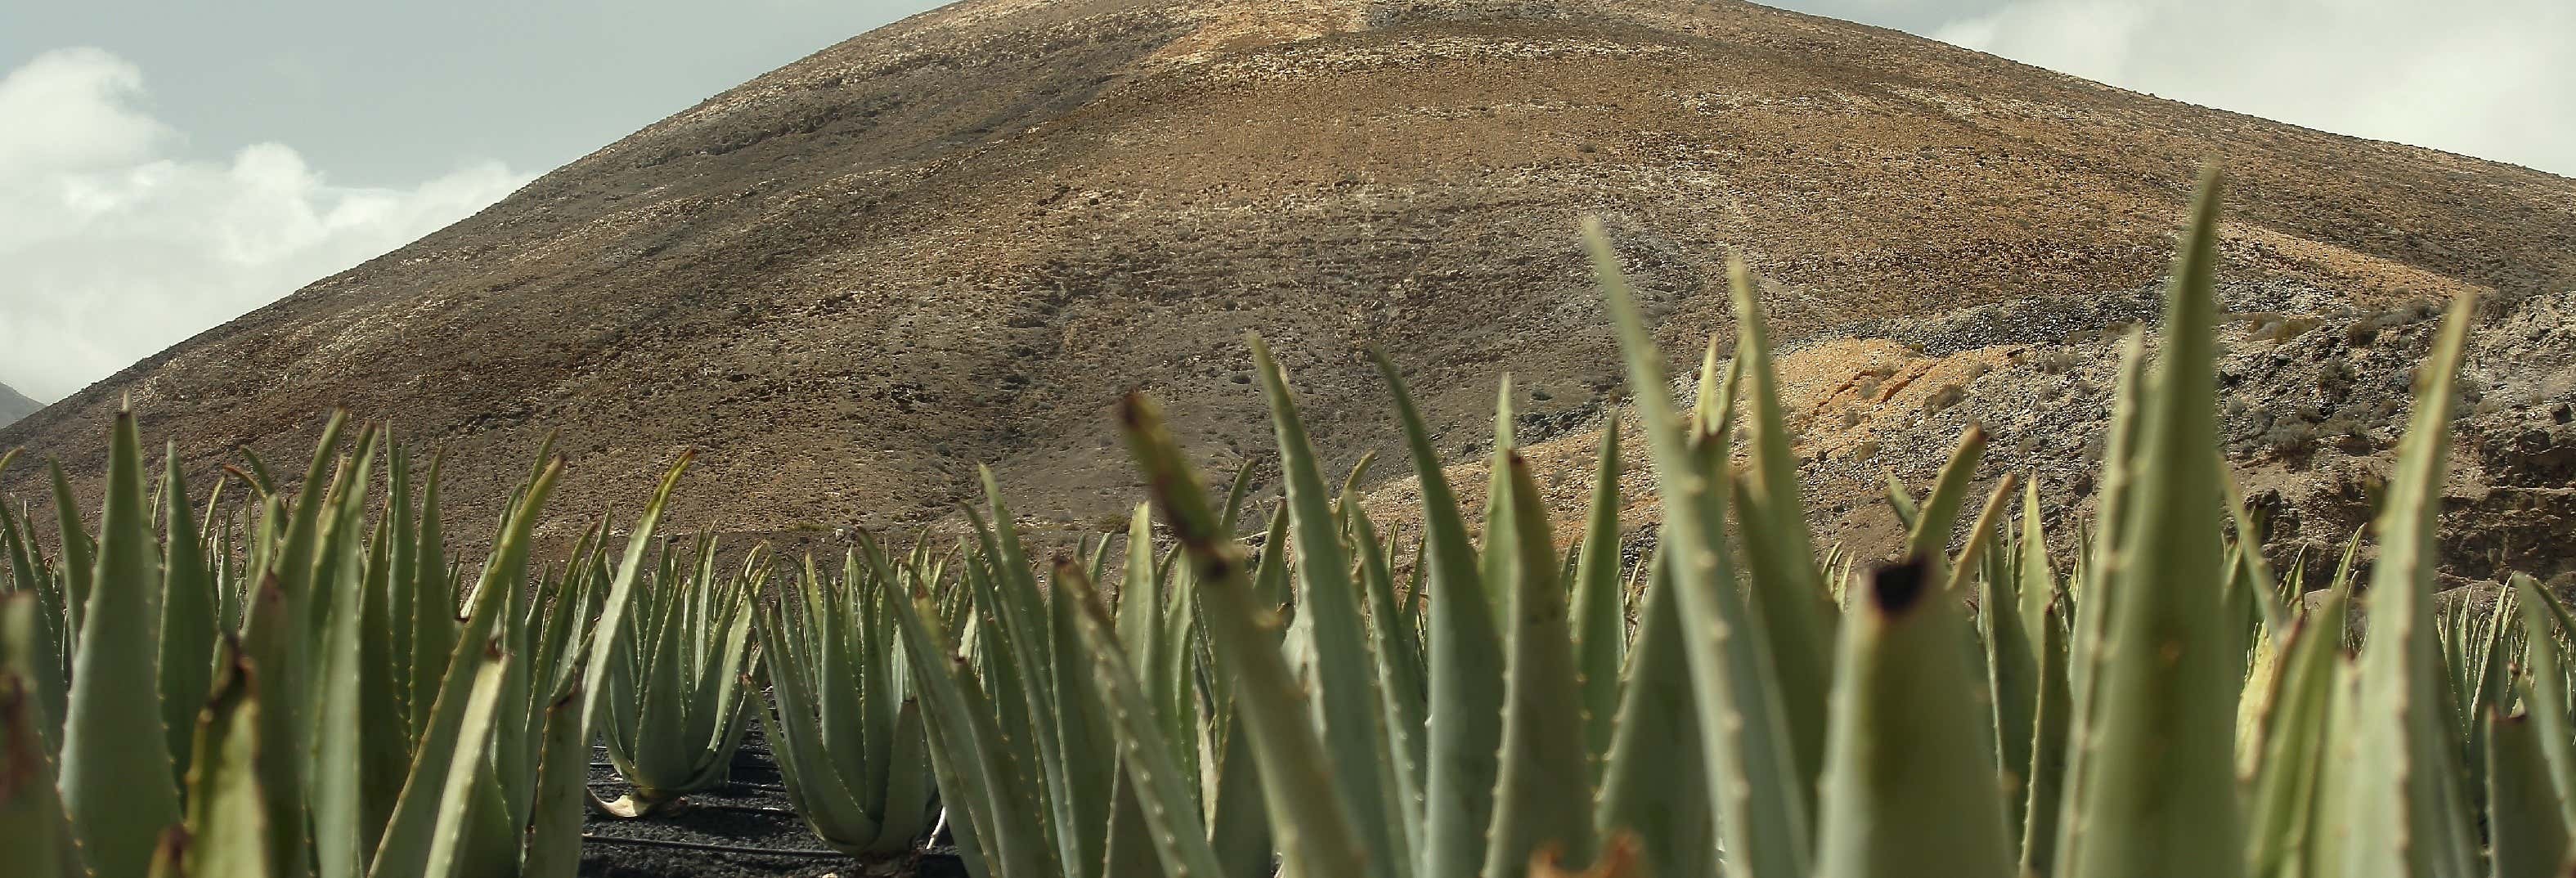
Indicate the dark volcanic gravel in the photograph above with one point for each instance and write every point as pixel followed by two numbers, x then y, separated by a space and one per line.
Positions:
pixel 749 818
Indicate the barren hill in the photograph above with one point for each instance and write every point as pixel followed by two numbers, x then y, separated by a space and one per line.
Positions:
pixel 956 239
pixel 15 405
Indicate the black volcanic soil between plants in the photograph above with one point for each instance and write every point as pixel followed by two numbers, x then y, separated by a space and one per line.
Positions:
pixel 744 830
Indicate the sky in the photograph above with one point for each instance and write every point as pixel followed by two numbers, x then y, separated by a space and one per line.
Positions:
pixel 167 165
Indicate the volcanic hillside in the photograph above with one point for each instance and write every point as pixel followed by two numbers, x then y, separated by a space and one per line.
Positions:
pixel 15 405
pixel 957 239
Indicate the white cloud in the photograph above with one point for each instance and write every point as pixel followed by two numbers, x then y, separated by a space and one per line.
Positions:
pixel 2489 78
pixel 113 246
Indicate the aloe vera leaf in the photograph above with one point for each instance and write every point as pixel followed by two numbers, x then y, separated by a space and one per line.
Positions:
pixel 1397 650
pixel 1652 784
pixel 1543 795
pixel 969 750
pixel 878 677
pixel 1909 777
pixel 641 742
pixel 1270 575
pixel 259 475
pixel 553 847
pixel 1713 392
pixel 735 660
pixel 2409 818
pixel 1600 622
pixel 2270 613
pixel 1179 693
pixel 1747 737
pixel 1929 537
pixel 1128 845
pixel 1780 551
pixel 1359 472
pixel 38 649
pixel 909 790
pixel 266 629
pixel 1075 813
pixel 293 687
pixel 1345 686
pixel 119 795
pixel 2043 618
pixel 447 853
pixel 401 576
pixel 1238 810
pixel 2086 589
pixel 434 607
pixel 1004 701
pixel 342 838
pixel 1090 746
pixel 33 828
pixel 611 627
pixel 1901 501
pixel 2545 625
pixel 2283 793
pixel 1140 603
pixel 1099 555
pixel 78 560
pixel 1151 779
pixel 385 754
pixel 797 737
pixel 1309 817
pixel 2483 689
pixel 2012 669
pixel 431 789
pixel 227 829
pixel 1413 584
pixel 2158 793
pixel 187 648
pixel 2046 779
pixel 1982 537
pixel 1397 657
pixel 1466 662
pixel 1495 533
pixel 2528 839
pixel 1235 494
pixel 2092 581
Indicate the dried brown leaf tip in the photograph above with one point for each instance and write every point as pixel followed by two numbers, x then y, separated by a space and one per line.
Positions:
pixel 1893 588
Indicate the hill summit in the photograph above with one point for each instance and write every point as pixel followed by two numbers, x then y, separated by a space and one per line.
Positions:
pixel 955 240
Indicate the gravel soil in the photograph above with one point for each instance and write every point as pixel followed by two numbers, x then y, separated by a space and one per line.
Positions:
pixel 743 830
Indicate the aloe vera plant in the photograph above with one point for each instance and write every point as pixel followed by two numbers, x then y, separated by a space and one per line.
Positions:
pixel 221 706
pixel 1028 741
pixel 844 722
pixel 678 706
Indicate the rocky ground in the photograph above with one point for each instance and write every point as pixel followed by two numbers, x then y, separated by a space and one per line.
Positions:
pixel 2315 394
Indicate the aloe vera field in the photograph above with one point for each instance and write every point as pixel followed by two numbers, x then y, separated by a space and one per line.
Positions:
pixel 275 675
pixel 1299 439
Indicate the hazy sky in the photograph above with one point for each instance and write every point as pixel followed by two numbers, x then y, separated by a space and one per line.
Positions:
pixel 166 165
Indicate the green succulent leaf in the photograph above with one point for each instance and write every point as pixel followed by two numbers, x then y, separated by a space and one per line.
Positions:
pixel 1763 807
pixel 120 796
pixel 1910 772
pixel 2156 795
pixel 2410 817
